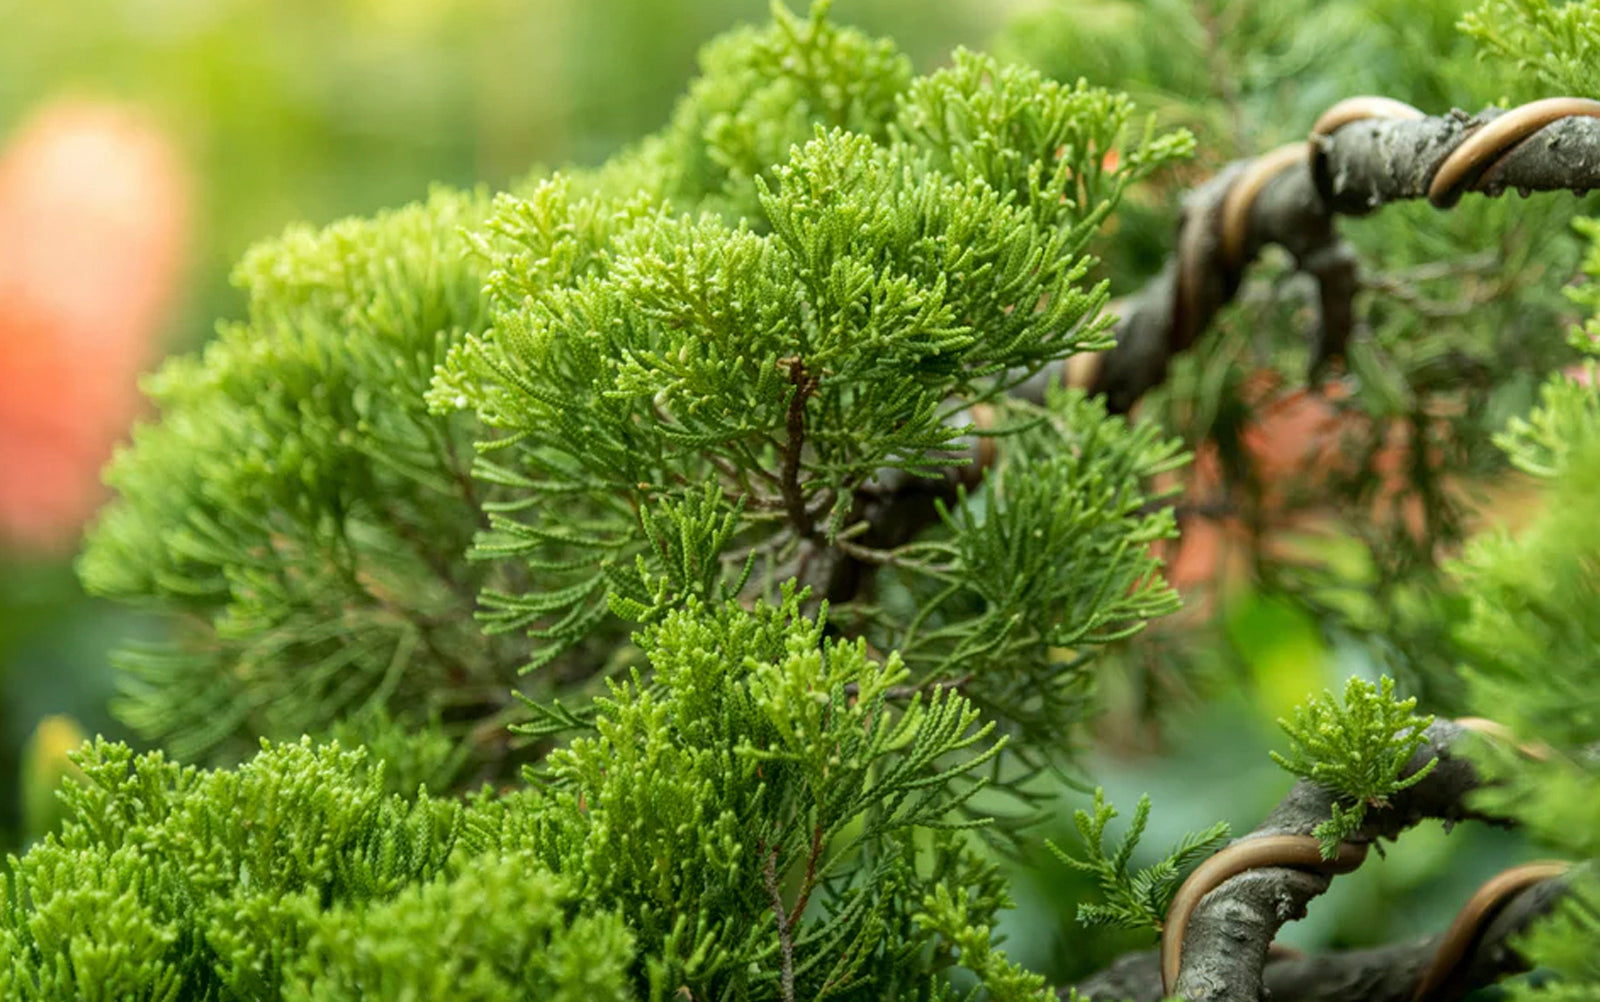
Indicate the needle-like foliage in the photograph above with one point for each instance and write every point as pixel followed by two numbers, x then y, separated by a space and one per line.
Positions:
pixel 1359 749
pixel 757 821
pixel 1138 899
pixel 297 510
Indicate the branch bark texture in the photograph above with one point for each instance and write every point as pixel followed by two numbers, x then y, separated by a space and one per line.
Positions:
pixel 1225 943
pixel 1366 153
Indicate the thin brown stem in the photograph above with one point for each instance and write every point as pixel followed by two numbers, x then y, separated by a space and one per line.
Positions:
pixel 793 445
pixel 809 882
pixel 769 875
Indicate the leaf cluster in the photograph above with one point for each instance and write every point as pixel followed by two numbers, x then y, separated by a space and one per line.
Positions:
pixel 694 374
pixel 1359 749
pixel 1461 312
pixel 280 879
pixel 296 511
pixel 1532 650
pixel 761 763
pixel 1133 900
pixel 755 822
pixel 1557 44
pixel 1033 576
pixel 683 404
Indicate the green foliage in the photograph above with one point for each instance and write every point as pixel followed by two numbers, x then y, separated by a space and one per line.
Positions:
pixel 296 509
pixel 1568 415
pixel 764 764
pixel 406 756
pixel 499 927
pixel 676 394
pixel 757 822
pixel 1563 944
pixel 763 90
pixel 1533 662
pixel 699 372
pixel 1533 643
pixel 1358 749
pixel 949 915
pixel 169 882
pixel 1132 900
pixel 1459 313
pixel 1556 44
pixel 686 406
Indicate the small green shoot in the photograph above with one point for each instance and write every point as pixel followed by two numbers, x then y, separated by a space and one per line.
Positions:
pixel 1358 750
pixel 1133 900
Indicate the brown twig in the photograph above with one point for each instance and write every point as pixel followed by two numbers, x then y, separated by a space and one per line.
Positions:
pixel 793 445
pixel 769 874
pixel 808 882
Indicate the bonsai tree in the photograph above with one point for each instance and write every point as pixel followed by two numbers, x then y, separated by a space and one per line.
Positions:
pixel 670 579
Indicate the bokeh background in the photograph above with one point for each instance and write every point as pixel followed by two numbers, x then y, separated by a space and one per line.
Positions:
pixel 144 144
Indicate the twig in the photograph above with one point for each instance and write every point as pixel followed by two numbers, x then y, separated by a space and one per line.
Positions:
pixel 793 444
pixel 769 873
pixel 809 882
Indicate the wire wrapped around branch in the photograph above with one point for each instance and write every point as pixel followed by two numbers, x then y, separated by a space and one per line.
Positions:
pixel 1224 918
pixel 1394 972
pixel 1363 154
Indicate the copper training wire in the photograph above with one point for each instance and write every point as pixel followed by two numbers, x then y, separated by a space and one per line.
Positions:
pixel 1466 930
pixel 1456 174
pixel 1191 242
pixel 1480 150
pixel 1239 200
pixel 1295 851
pixel 1537 750
pixel 1241 196
pixel 1356 109
pixel 1347 112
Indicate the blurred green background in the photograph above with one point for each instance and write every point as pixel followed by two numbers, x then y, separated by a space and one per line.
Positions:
pixel 285 110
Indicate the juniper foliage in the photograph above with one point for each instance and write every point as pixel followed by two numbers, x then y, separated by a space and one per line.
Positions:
pixel 679 449
pixel 1555 44
pixel 684 407
pixel 1358 748
pixel 757 821
pixel 692 373
pixel 1136 900
pixel 1459 314
pixel 1534 656
pixel 296 512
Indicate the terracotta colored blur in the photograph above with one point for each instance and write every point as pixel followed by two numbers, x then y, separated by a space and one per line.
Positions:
pixel 94 213
pixel 1295 445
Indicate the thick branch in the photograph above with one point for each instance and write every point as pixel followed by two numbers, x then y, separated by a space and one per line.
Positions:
pixel 1225 944
pixel 1225 939
pixel 1381 974
pixel 1291 199
pixel 1366 153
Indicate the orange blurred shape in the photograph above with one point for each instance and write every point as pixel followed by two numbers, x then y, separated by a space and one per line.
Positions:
pixel 1296 445
pixel 94 215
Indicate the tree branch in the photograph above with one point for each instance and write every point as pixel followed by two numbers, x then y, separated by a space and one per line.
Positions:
pixel 1389 973
pixel 769 875
pixel 793 445
pixel 1364 153
pixel 1225 938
